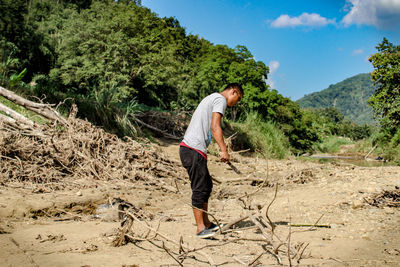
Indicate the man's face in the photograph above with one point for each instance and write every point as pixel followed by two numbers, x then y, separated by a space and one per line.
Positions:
pixel 234 97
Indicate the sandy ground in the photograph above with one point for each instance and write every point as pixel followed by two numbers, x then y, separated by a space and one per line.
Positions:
pixel 67 228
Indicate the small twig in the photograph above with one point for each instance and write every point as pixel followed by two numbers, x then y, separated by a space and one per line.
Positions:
pixel 235 180
pixel 254 261
pixel 301 254
pixel 24 251
pixel 181 245
pixel 239 261
pixel 342 262
pixel 366 156
pixel 66 212
pixel 289 236
pixel 176 185
pixel 240 151
pixel 169 253
pixel 266 211
pixel 230 224
pixel 312 226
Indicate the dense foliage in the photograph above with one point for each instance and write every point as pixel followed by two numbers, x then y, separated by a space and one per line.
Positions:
pixel 329 121
pixel 386 99
pixel 114 57
pixel 350 97
pixel 110 57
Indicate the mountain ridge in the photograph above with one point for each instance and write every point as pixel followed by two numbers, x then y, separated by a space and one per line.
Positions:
pixel 349 96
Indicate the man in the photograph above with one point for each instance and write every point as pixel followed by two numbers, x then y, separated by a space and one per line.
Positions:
pixel 205 124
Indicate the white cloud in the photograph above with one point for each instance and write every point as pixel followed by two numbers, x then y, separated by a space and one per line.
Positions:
pixel 273 67
pixel 358 51
pixel 305 19
pixel 378 13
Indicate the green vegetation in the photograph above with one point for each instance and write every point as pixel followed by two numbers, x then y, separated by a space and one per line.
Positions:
pixel 329 121
pixel 108 57
pixel 332 144
pixel 112 58
pixel 257 134
pixel 350 97
pixel 386 99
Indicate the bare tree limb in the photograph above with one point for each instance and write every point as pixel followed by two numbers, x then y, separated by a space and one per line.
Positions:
pixel 210 260
pixel 42 109
pixel 15 115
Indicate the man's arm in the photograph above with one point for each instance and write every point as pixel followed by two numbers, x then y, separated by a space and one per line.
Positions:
pixel 216 132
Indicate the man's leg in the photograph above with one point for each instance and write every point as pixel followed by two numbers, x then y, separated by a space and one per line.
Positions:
pixel 201 218
pixel 206 221
pixel 198 216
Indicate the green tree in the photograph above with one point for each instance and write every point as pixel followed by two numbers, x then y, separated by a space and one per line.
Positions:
pixel 386 99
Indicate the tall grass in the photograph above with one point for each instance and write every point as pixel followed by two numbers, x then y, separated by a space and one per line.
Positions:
pixel 332 144
pixel 257 134
pixel 388 146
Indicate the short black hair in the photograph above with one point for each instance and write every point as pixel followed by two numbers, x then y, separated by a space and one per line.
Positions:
pixel 235 86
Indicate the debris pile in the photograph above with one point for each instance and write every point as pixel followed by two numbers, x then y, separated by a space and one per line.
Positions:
pixel 387 198
pixel 78 150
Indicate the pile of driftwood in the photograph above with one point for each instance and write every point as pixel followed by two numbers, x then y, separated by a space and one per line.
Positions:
pixel 63 150
pixel 387 198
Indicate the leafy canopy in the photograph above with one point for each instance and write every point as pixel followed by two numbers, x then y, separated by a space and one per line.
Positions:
pixel 386 99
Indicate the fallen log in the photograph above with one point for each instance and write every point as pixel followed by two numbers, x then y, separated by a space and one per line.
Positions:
pixel 15 115
pixel 44 110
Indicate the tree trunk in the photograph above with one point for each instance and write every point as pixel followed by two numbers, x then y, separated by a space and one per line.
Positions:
pixel 44 110
pixel 15 115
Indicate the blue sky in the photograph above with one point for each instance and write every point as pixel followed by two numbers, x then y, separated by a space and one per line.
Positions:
pixel 308 44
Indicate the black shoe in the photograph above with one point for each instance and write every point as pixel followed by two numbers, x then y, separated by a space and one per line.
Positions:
pixel 214 227
pixel 205 233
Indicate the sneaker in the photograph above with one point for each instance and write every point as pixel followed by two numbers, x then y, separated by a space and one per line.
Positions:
pixel 205 233
pixel 214 227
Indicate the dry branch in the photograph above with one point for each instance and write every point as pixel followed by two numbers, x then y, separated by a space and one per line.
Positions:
pixel 44 110
pixel 15 115
pixel 178 244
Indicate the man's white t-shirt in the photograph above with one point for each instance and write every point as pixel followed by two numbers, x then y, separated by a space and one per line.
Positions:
pixel 198 134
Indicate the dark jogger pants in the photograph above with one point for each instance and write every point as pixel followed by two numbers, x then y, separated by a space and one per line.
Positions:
pixel 200 179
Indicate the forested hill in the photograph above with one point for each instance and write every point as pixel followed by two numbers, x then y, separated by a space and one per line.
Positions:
pixel 349 96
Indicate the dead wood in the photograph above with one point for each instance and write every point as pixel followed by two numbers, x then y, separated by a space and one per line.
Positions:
pixel 48 156
pixel 15 115
pixel 178 244
pixel 386 198
pixel 44 110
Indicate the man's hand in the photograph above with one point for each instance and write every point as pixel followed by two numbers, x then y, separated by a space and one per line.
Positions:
pixel 224 156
